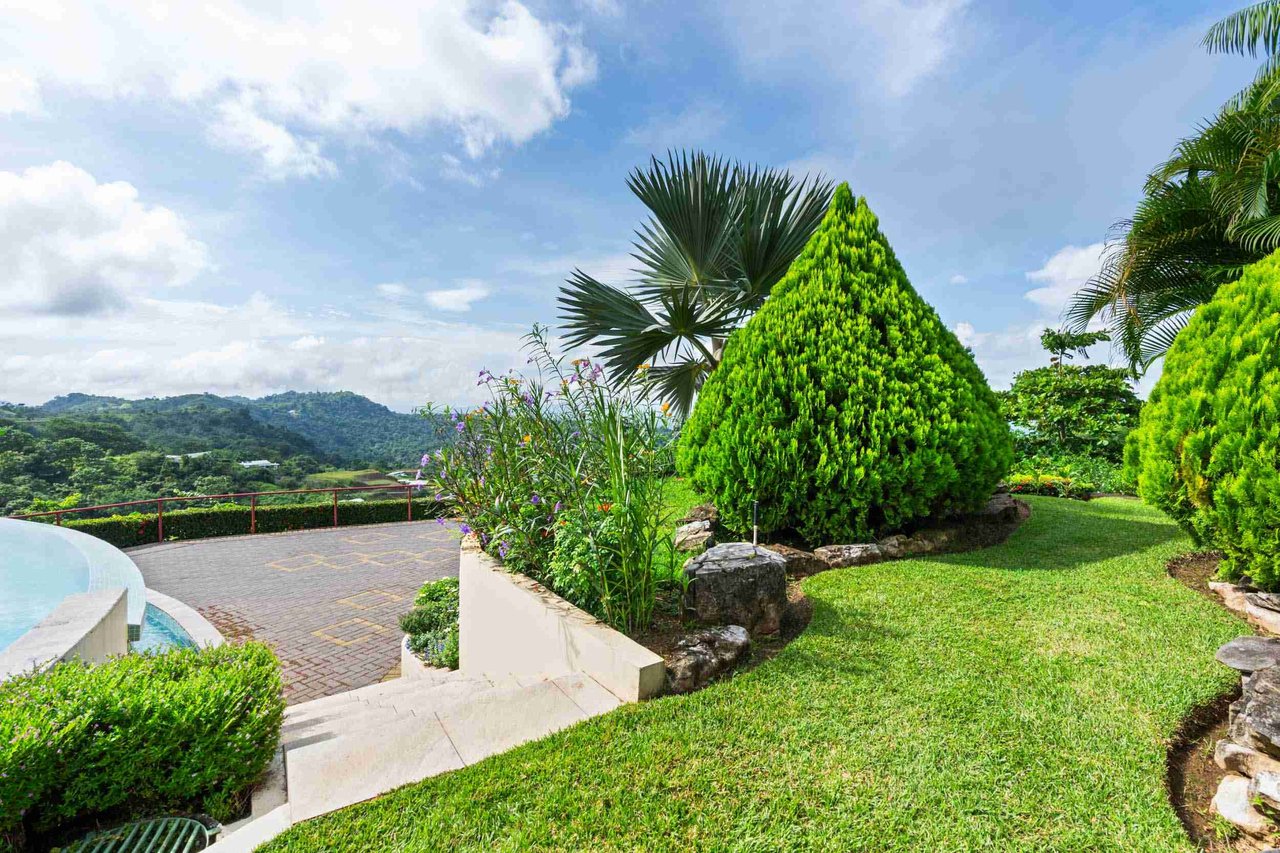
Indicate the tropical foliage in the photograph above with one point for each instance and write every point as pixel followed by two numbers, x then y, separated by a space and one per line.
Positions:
pixel 845 407
pixel 1071 409
pixel 181 730
pixel 720 236
pixel 1208 448
pixel 562 477
pixel 1208 212
pixel 432 624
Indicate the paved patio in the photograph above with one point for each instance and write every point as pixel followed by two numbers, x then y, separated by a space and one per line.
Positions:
pixel 327 601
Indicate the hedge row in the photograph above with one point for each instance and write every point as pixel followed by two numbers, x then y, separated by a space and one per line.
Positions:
pixel 1050 485
pixel 189 729
pixel 233 520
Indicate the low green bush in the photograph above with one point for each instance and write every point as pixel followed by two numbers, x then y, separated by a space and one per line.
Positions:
pixel 432 624
pixel 1050 485
pixel 1207 447
pixel 183 730
pixel 1105 476
pixel 140 528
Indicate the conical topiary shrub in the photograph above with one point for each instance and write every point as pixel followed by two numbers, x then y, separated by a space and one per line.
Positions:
pixel 1207 447
pixel 845 406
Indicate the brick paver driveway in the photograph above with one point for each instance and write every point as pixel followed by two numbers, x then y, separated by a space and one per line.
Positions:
pixel 326 600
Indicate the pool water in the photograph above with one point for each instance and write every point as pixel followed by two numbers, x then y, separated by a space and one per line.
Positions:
pixel 160 631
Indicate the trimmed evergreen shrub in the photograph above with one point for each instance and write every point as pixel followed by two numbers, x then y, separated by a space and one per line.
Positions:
pixel 1207 448
pixel 432 624
pixel 139 528
pixel 845 406
pixel 138 735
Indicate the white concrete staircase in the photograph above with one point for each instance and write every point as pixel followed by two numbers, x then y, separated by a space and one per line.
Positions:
pixel 353 746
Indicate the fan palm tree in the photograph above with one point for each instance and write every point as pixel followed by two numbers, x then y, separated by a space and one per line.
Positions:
pixel 719 237
pixel 1209 211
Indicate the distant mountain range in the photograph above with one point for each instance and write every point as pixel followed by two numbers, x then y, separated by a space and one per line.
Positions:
pixel 339 427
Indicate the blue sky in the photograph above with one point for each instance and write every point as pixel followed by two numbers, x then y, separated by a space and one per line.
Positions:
pixel 251 197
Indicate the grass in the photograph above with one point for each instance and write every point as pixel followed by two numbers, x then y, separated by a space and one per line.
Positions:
pixel 340 479
pixel 1017 698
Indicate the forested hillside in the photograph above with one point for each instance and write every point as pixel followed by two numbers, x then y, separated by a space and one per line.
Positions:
pixel 80 449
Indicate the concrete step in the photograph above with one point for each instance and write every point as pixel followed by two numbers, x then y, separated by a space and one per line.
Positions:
pixel 451 725
pixel 374 692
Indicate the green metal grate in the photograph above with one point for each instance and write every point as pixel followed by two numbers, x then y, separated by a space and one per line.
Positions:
pixel 161 835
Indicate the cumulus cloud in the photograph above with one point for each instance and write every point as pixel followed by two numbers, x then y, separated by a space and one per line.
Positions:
pixel 898 43
pixel 283 81
pixel 457 299
pixel 19 93
pixel 255 347
pixel 1063 275
pixel 70 245
pixel 958 279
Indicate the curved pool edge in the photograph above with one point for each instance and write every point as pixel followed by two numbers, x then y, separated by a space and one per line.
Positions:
pixel 201 630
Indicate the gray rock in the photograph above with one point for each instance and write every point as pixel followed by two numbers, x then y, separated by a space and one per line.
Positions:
pixel 1257 722
pixel 1250 654
pixel 738 584
pixel 702 512
pixel 1235 758
pixel 1265 789
pixel 693 536
pixel 1265 600
pixel 1000 509
pixel 840 556
pixel 1263 617
pixel 706 655
pixel 894 547
pixel 1232 803
pixel 799 563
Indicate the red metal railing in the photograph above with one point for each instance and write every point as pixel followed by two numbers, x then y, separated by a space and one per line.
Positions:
pixel 159 504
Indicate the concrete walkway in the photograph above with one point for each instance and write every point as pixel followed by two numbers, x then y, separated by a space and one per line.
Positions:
pixel 327 601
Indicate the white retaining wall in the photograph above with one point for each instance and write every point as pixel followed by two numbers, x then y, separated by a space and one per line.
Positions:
pixel 92 626
pixel 512 625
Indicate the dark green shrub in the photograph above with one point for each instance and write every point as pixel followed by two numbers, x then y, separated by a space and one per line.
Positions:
pixel 189 729
pixel 845 406
pixel 1207 450
pixel 432 624
pixel 139 528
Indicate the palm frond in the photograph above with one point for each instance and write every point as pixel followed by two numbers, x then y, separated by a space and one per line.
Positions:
pixel 1247 30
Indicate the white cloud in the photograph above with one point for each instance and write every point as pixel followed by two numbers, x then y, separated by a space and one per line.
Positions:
pixel 457 299
pixel 162 347
pixel 898 43
pixel 282 81
pixel 394 291
pixel 612 268
pixel 1063 275
pixel 70 245
pixel 958 279
pixel 19 93
pixel 454 169
pixel 696 124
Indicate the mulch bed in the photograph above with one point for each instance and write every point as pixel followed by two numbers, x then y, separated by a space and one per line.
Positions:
pixel 1193 776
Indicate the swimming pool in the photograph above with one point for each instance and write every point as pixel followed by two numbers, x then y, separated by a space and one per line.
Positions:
pixel 41 564
pixel 160 631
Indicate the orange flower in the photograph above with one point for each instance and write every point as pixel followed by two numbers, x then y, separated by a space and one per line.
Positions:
pixel 666 409
pixel 605 507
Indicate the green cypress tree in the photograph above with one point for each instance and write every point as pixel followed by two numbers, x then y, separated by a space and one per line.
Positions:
pixel 1207 447
pixel 845 406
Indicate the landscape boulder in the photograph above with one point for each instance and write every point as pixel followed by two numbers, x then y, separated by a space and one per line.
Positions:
pixel 841 556
pixel 1232 803
pixel 799 563
pixel 738 584
pixel 1255 719
pixel 706 655
pixel 894 547
pixel 1001 509
pixel 1250 654
pixel 1235 758
pixel 702 512
pixel 693 536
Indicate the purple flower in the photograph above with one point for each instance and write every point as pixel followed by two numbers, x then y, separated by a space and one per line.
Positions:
pixel 439 496
pixel 535 500
pixel 440 521
pixel 502 549
pixel 466 529
pixel 575 434
pixel 461 426
pixel 425 460
pixel 557 507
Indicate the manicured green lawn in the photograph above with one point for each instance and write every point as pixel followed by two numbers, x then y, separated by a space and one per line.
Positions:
pixel 1013 699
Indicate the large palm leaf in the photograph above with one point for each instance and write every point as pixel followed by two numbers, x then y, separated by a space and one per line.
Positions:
pixel 719 237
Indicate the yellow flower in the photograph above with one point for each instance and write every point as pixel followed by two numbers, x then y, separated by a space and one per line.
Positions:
pixel 528 438
pixel 666 410
pixel 644 367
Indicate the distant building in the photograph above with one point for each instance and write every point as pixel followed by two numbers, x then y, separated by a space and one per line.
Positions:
pixel 260 463
pixel 180 456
